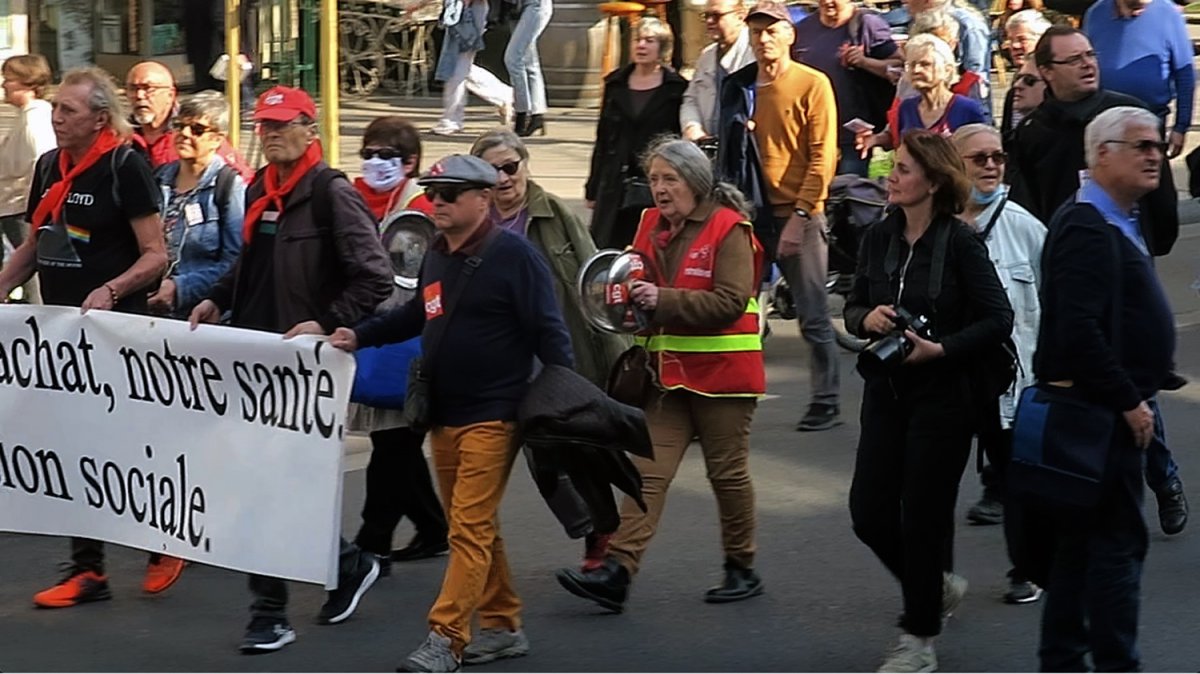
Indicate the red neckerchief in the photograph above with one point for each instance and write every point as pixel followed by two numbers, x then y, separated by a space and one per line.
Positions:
pixel 274 193
pixel 380 203
pixel 51 206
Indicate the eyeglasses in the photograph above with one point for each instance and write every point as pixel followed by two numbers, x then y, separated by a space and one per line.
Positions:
pixel 1076 60
pixel 447 193
pixel 272 126
pixel 510 168
pixel 1143 146
pixel 714 16
pixel 196 129
pixel 385 153
pixel 1028 80
pixel 148 88
pixel 980 159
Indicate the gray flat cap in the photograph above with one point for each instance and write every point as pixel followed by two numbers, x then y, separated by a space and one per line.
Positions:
pixel 460 169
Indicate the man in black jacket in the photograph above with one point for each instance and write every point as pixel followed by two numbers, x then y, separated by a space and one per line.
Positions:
pixel 1048 159
pixel 1048 149
pixel 1096 266
pixel 497 289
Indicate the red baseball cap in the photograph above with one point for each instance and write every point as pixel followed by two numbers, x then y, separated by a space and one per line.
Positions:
pixel 283 104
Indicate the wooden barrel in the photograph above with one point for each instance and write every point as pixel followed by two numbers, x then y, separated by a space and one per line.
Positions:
pixel 570 51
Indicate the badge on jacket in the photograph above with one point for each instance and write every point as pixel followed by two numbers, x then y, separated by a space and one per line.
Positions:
pixel 433 300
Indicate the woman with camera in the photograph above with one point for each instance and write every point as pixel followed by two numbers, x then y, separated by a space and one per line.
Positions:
pixel 706 354
pixel 928 296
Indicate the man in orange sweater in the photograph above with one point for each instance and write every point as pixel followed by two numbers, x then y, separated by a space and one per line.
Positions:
pixel 794 123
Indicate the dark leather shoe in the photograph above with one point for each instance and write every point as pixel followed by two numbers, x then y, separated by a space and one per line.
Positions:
pixel 420 548
pixel 739 584
pixel 1172 507
pixel 608 585
pixel 1173 382
pixel 819 417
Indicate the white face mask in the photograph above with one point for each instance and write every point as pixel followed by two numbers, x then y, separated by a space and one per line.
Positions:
pixel 382 175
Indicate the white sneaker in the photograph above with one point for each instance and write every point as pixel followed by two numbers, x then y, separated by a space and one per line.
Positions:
pixel 954 588
pixel 445 128
pixel 909 655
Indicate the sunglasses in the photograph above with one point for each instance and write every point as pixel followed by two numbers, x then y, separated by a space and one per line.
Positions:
pixel 1028 80
pixel 713 16
pixel 981 159
pixel 196 129
pixel 510 168
pixel 385 153
pixel 1143 146
pixel 447 193
pixel 273 126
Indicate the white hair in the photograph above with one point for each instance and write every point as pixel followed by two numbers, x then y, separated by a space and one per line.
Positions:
pixel 932 21
pixel 1035 21
pixel 1112 124
pixel 943 55
pixel 968 131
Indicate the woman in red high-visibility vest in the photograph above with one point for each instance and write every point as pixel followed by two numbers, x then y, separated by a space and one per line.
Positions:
pixel 705 348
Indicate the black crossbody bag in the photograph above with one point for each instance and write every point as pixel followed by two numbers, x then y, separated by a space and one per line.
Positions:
pixel 417 410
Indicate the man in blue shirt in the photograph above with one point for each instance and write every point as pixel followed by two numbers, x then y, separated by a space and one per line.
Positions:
pixel 1147 54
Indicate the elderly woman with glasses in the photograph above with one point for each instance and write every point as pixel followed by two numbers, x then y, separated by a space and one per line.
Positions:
pixel 1014 241
pixel 524 207
pixel 931 70
pixel 203 204
pixel 706 353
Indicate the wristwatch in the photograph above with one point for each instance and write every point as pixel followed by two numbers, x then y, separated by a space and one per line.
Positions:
pixel 802 213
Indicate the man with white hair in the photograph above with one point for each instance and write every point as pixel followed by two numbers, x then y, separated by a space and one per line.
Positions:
pixel 725 23
pixel 1100 299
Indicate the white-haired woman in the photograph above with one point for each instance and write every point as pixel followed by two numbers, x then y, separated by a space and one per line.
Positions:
pixel 706 353
pixel 930 67
pixel 942 24
pixel 1014 241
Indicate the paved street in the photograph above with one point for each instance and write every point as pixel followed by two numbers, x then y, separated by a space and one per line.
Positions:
pixel 829 605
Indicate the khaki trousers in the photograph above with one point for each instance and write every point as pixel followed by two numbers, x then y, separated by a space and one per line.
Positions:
pixel 473 463
pixel 723 428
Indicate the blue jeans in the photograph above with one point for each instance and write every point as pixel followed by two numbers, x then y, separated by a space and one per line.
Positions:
pixel 1160 466
pixel 851 162
pixel 521 58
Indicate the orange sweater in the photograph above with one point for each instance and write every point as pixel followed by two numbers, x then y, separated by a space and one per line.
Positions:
pixel 795 125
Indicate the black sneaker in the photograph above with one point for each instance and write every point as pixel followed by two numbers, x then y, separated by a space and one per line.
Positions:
pixel 1021 591
pixel 385 565
pixel 1172 507
pixel 352 585
pixel 608 585
pixel 419 548
pixel 819 418
pixel 265 634
pixel 988 510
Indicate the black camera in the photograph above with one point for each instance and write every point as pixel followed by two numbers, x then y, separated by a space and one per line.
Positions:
pixel 884 354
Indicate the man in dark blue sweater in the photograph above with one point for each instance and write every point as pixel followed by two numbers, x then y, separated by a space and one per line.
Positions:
pixel 504 315
pixel 1095 554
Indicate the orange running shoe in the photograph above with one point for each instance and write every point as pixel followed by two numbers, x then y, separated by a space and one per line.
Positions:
pixel 162 574
pixel 77 588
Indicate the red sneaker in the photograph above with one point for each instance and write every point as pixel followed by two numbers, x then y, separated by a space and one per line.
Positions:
pixel 162 574
pixel 595 550
pixel 79 587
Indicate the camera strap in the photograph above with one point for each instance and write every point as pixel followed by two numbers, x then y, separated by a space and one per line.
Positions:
pixel 937 267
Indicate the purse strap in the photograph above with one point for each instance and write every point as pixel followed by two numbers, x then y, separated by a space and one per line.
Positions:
pixel 471 265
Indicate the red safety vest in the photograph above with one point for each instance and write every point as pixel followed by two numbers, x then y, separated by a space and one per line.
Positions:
pixel 717 362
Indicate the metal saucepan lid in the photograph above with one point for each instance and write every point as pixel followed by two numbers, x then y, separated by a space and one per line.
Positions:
pixel 407 234
pixel 604 290
pixel 593 291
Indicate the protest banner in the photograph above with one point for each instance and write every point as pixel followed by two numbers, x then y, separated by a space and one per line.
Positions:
pixel 221 446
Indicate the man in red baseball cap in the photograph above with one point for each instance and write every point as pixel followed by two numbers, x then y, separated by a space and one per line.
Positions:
pixel 311 260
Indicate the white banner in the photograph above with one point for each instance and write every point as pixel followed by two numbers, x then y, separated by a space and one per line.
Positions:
pixel 222 446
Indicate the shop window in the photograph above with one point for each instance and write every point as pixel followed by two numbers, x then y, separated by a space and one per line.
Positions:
pixel 166 36
pixel 6 28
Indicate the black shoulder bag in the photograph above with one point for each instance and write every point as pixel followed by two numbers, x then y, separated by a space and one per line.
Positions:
pixel 417 411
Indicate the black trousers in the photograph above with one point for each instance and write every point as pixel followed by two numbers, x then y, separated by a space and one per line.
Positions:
pixel 398 485
pixel 912 452
pixel 271 594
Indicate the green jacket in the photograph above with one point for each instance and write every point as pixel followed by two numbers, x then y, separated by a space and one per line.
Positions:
pixel 566 243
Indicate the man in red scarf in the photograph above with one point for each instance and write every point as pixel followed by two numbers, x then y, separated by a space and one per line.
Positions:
pixel 97 244
pixel 311 261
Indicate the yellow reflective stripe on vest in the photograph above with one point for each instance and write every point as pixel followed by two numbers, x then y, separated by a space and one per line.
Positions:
pixel 703 343
pixel 752 306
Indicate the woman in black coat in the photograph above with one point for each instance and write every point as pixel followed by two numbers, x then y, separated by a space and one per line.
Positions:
pixel 641 101
pixel 916 412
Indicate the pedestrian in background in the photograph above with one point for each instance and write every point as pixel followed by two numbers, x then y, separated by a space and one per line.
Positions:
pixel 641 101
pixel 26 80
pixel 725 24
pixel 525 67
pixel 203 205
pixel 465 22
pixel 706 353
pixel 917 416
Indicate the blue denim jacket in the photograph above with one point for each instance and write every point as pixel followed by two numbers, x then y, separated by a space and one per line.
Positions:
pixel 211 246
